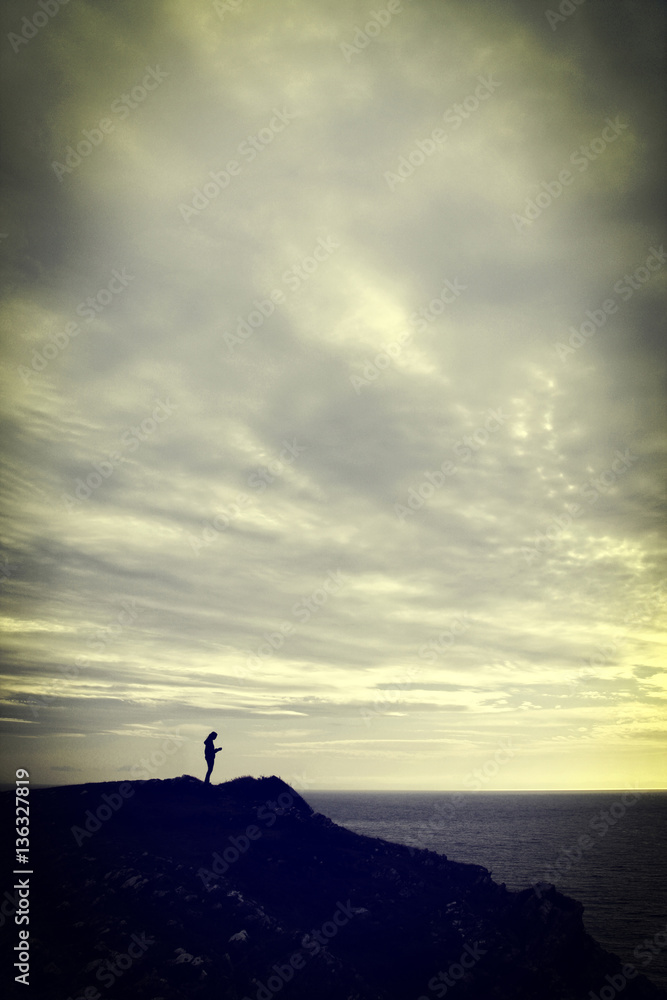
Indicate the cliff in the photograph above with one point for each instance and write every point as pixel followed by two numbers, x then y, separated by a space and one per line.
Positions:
pixel 168 890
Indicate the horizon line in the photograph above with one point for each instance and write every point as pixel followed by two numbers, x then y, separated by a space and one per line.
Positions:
pixel 5 786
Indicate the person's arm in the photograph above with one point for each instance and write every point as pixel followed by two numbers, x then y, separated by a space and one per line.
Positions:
pixel 218 749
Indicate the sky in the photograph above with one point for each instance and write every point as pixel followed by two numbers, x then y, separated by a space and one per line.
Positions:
pixel 333 392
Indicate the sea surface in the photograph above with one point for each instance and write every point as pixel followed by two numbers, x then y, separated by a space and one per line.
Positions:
pixel 606 849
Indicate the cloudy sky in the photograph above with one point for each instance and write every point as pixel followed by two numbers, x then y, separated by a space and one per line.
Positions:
pixel 333 392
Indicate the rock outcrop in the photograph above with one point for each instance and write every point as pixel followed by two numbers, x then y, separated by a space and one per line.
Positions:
pixel 168 890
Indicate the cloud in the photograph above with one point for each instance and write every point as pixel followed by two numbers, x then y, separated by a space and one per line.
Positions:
pixel 243 359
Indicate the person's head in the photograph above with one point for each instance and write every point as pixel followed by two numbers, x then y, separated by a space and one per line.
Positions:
pixel 212 736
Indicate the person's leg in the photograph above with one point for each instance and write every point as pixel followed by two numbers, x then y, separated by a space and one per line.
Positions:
pixel 208 773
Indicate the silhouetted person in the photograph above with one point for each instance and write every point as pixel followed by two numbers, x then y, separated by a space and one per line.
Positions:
pixel 209 753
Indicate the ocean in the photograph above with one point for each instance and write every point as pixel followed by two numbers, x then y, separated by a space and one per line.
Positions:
pixel 606 849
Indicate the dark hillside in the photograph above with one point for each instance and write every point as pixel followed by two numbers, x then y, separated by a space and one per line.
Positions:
pixel 164 890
